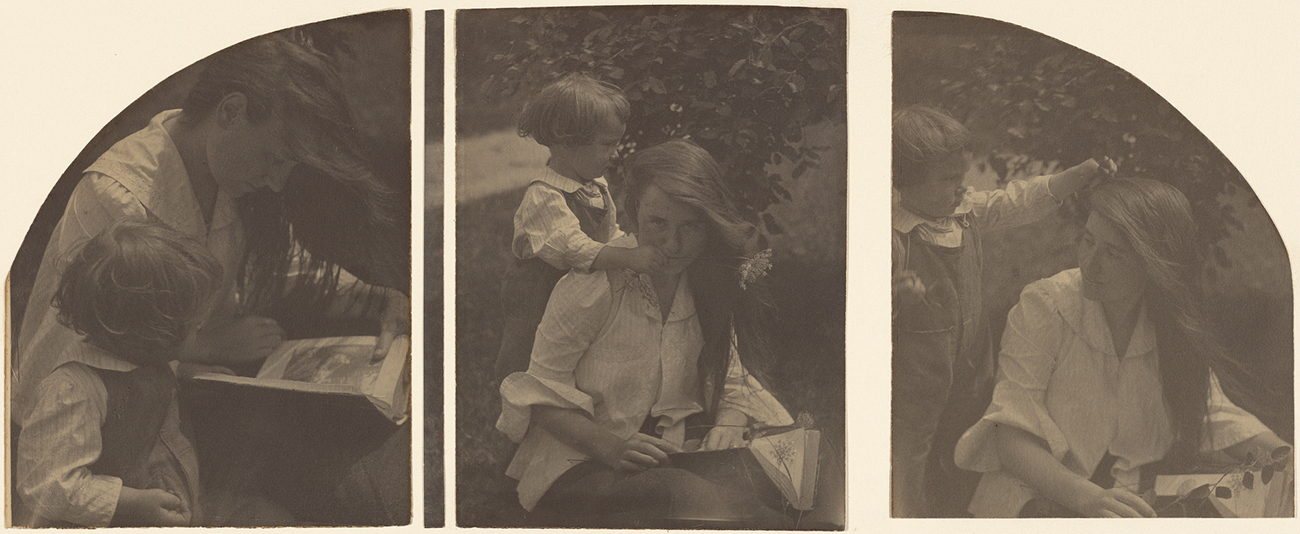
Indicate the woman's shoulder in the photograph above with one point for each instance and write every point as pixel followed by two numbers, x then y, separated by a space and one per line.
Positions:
pixel 1057 292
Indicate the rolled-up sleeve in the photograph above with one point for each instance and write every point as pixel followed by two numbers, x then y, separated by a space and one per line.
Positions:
pixel 1021 202
pixel 577 310
pixel 59 442
pixel 545 228
pixel 1227 424
pixel 743 392
pixel 1029 344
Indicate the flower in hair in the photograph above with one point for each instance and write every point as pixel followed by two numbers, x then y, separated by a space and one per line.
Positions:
pixel 752 269
pixel 642 284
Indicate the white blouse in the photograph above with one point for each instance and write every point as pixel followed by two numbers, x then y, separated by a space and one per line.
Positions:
pixel 1060 379
pixel 140 177
pixel 603 348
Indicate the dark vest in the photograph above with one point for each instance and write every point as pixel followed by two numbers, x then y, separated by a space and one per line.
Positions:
pixel 132 445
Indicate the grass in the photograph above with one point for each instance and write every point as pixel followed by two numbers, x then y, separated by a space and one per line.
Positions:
pixel 810 335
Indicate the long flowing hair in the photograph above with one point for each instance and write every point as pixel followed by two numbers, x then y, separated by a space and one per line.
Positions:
pixel 688 174
pixel 333 210
pixel 1157 221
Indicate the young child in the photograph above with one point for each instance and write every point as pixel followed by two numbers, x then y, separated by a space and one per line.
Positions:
pixel 102 444
pixel 942 360
pixel 567 214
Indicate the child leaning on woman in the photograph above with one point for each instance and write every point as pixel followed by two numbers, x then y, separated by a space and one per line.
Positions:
pixel 942 359
pixel 567 214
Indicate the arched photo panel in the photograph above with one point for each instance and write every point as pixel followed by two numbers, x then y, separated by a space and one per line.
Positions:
pixel 1080 279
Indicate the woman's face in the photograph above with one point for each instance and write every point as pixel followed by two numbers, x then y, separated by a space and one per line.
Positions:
pixel 245 156
pixel 1110 267
pixel 675 228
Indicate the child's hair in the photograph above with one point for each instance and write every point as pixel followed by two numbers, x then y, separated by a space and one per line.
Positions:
pixel 569 111
pixel 687 173
pixel 136 290
pixel 924 136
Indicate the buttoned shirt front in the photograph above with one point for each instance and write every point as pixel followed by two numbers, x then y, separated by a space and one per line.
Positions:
pixel 604 348
pixel 1060 379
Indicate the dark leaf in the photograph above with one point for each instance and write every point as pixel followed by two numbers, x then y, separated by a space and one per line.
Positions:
pixel 1248 480
pixel 781 191
pixel 1223 492
pixel 1281 453
pixel 1266 474
pixel 769 222
pixel 799 170
pixel 1250 457
pixel 1200 492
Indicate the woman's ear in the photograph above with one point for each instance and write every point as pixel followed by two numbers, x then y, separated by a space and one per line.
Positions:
pixel 232 109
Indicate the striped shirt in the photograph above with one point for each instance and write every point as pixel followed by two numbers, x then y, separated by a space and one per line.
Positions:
pixel 61 439
pixel 546 228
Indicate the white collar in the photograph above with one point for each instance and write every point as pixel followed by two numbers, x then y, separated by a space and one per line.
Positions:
pixel 564 183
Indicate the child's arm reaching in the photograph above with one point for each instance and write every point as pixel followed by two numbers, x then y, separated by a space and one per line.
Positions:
pixel 1025 201
pixel 642 259
pixel 1073 179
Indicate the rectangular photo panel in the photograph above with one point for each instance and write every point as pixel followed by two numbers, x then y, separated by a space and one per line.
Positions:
pixel 650 282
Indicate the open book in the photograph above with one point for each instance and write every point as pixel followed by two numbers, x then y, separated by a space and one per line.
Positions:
pixel 339 366
pixel 788 458
pixel 1237 494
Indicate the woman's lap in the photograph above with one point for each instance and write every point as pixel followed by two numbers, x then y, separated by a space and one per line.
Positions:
pixel 593 495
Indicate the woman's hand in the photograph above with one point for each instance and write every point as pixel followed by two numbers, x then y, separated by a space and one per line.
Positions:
pixel 394 320
pixel 1114 502
pixel 638 453
pixel 728 432
pixel 148 508
pixel 239 340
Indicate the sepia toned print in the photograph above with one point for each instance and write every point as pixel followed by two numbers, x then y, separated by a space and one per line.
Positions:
pixel 304 129
pixel 650 284
pixel 1117 348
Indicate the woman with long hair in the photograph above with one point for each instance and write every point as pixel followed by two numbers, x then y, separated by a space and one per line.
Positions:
pixel 622 360
pixel 219 170
pixel 264 165
pixel 1107 368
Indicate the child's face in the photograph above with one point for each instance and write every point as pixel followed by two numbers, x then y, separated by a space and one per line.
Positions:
pixel 937 194
pixel 587 162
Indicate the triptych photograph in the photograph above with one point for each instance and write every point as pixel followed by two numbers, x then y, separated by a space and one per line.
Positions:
pixel 604 267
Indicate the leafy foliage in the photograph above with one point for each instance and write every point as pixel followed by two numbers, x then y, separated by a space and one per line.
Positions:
pixel 1029 98
pixel 741 82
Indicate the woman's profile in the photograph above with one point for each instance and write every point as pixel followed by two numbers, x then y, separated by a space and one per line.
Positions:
pixel 1106 372
pixel 264 164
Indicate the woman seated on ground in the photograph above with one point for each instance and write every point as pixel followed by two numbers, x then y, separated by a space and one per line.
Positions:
pixel 1106 368
pixel 622 360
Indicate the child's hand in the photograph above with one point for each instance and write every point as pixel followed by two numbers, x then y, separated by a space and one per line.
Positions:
pixel 148 508
pixel 646 259
pixel 907 285
pixel 1105 167
pixel 244 339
